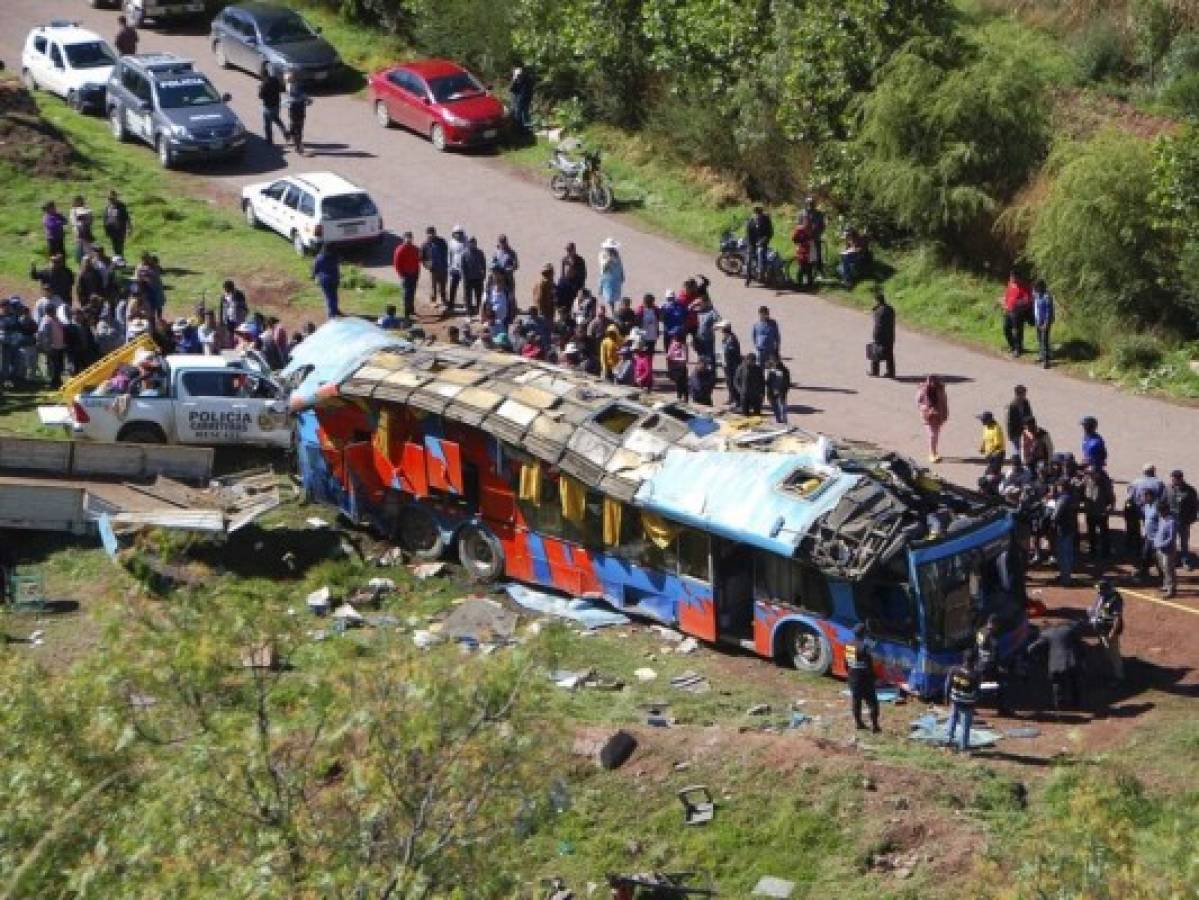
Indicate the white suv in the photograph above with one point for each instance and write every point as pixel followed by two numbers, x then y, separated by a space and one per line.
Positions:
pixel 313 209
pixel 69 61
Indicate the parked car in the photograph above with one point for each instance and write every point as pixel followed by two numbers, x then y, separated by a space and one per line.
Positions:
pixel 161 99
pixel 266 39
pixel 139 11
pixel 313 209
pixel 439 99
pixel 227 399
pixel 69 61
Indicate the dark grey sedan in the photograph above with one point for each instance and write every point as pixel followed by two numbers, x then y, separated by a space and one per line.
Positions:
pixel 265 39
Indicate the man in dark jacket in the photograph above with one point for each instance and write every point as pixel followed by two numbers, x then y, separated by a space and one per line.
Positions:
pixel 859 669
pixel 730 351
pixel 270 92
pixel 573 272
pixel 1184 503
pixel 750 382
pixel 57 278
pixel 702 381
pixel 474 273
pixel 118 224
pixel 1065 661
pixel 1019 410
pixel 435 256
pixel 759 232
pixel 882 336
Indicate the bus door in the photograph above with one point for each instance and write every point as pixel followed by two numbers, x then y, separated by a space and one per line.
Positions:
pixel 733 585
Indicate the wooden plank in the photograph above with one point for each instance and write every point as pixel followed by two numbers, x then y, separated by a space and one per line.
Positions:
pixel 35 455
pixel 42 507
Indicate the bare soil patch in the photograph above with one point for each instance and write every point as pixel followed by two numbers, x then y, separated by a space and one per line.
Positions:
pixel 28 142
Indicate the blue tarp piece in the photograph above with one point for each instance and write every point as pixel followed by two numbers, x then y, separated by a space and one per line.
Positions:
pixel 738 495
pixel 884 694
pixel 333 352
pixel 933 729
pixel 108 537
pixel 587 613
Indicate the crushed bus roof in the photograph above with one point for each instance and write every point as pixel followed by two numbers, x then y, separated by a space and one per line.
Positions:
pixel 845 507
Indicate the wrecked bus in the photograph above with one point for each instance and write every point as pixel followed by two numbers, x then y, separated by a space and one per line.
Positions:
pixel 733 530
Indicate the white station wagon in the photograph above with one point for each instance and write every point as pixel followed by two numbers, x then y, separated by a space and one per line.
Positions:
pixel 313 209
pixel 69 61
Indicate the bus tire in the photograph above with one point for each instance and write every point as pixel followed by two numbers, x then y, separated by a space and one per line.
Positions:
pixel 481 554
pixel 418 533
pixel 806 649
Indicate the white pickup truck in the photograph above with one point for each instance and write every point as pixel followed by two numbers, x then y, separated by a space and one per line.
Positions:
pixel 208 400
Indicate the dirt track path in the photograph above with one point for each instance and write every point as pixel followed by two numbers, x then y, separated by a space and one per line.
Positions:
pixel 416 186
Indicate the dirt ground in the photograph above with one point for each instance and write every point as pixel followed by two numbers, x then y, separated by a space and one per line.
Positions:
pixel 27 141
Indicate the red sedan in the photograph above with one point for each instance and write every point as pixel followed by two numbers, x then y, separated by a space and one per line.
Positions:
pixel 440 99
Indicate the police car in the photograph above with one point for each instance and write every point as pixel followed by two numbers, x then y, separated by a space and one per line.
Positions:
pixel 69 61
pixel 204 400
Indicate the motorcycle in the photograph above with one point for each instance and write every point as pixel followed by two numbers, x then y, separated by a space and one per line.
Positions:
pixel 581 179
pixel 731 258
pixel 734 256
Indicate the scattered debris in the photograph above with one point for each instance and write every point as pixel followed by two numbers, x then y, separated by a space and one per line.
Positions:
pixel 348 616
pixel 425 639
pixel 318 601
pixel 1022 731
pixel 934 729
pixel 662 885
pixel 668 634
pixel 610 750
pixel 261 656
pixel 769 886
pixel 798 719
pixel 588 613
pixel 691 682
pixel 564 678
pixel 391 557
pixel 884 694
pixel 644 675
pixel 762 709
pixel 383 621
pixel 657 718
pixel 382 585
pixel 316 522
pixel 902 864
pixel 428 570
pixel 480 620
pixel 698 806
pixel 687 647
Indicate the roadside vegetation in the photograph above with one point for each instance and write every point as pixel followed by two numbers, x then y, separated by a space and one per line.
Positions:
pixel 1061 141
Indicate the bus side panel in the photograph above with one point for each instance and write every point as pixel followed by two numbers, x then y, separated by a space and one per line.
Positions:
pixel 766 619
pixel 697 610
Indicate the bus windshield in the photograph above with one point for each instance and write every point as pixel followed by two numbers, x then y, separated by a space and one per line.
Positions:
pixel 958 591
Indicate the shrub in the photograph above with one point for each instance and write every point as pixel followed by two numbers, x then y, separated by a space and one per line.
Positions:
pixel 1101 52
pixel 947 138
pixel 1093 237
pixel 477 33
pixel 1136 352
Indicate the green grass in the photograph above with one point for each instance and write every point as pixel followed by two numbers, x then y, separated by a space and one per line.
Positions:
pixel 362 47
pixel 201 238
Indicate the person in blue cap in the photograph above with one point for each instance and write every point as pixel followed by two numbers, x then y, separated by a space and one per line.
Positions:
pixel 1094 448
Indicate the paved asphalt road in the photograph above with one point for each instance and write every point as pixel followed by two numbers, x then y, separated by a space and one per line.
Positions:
pixel 417 186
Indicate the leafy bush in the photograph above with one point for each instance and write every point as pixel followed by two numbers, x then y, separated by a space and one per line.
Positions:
pixel 947 137
pixel 477 33
pixel 1101 52
pixel 1093 238
pixel 1136 352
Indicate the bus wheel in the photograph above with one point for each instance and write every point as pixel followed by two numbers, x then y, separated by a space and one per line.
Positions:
pixel 807 649
pixel 480 553
pixel 418 533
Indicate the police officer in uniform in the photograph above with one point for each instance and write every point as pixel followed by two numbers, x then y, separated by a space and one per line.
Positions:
pixel 1107 618
pixel 962 688
pixel 859 663
pixel 986 647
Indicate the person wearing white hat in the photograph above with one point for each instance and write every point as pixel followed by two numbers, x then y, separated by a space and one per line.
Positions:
pixel 611 273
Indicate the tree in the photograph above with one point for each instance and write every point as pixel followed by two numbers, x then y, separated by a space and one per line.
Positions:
pixel 947 136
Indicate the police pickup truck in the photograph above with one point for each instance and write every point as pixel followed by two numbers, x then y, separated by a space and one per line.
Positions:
pixel 206 400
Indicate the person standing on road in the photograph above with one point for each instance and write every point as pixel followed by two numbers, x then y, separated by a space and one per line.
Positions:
pixel 297 111
pixel 609 353
pixel 521 91
pixel 326 270
pixel 435 256
pixel 1036 446
pixel 611 273
pixel 1064 511
pixel 406 261
pixel 750 382
pixel 1099 498
pixel 759 232
pixel 118 223
pixel 1018 411
pixel 767 339
pixel 677 363
pixel 543 293
pixel 474 274
pixel 816 226
pixel 730 358
pixel 991 447
pixel 649 320
pixel 961 686
pixel 1043 316
pixel 882 336
pixel 573 271
pixel 1017 311
pixel 457 247
pixel 1107 618
pixel 1184 504
pixel 1165 545
pixel 933 403
pixel 778 385
pixel 859 666
pixel 702 381
pixel 125 41
pixel 1094 448
pixel 270 92
pixel 54 226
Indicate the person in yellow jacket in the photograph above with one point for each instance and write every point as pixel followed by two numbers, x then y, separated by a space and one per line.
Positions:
pixel 610 352
pixel 992 446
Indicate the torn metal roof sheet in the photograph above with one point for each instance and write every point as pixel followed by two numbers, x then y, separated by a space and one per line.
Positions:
pixel 845 507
